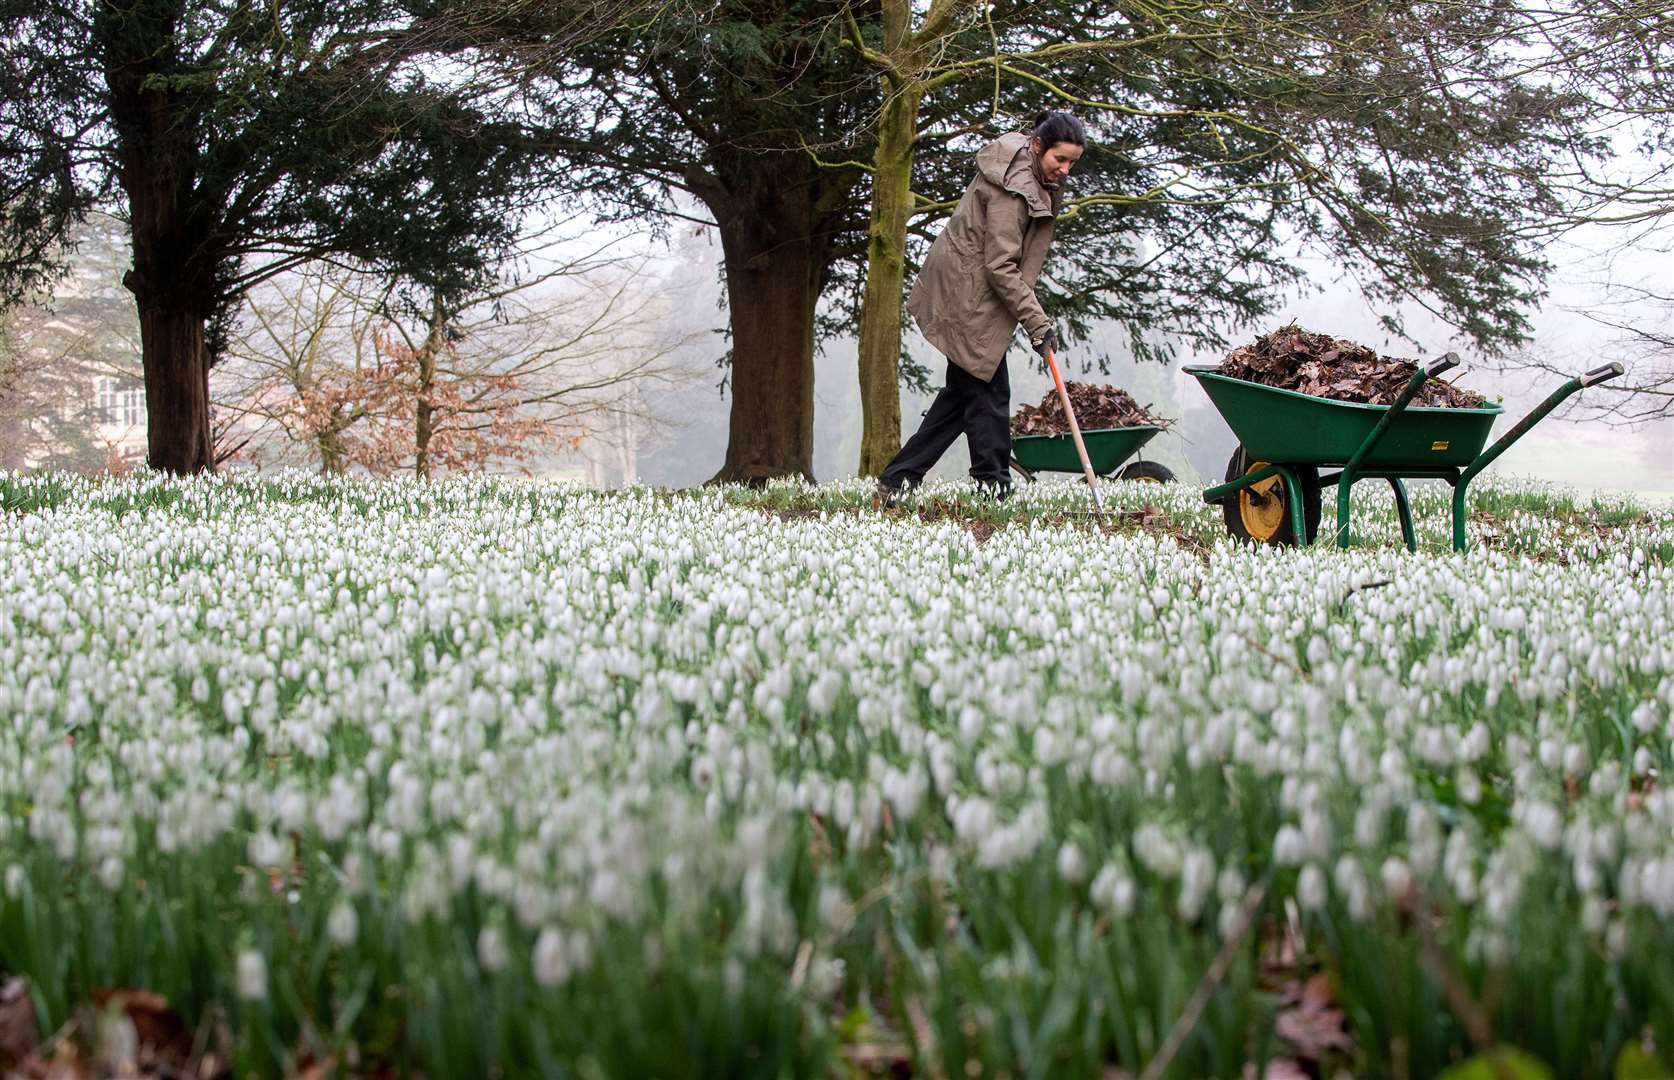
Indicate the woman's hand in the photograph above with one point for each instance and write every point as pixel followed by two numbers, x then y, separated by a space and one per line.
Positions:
pixel 1048 342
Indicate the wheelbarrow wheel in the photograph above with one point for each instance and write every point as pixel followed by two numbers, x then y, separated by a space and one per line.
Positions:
pixel 1148 472
pixel 1260 514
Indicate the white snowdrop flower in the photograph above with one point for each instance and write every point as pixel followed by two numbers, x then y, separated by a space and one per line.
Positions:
pixel 1368 825
pixel 355 878
pixel 1397 877
pixel 1114 891
pixel 825 976
pixel 1072 867
pixel 1575 759
pixel 1595 914
pixel 342 925
pixel 551 959
pixel 1476 743
pixel 1227 920
pixel 1310 888
pixel 1469 786
pixel 1544 823
pixel 1289 847
pixel 16 879
pixel 1616 939
pixel 822 693
pixel 1316 833
pixel 251 971
pixel 1197 878
pixel 1157 851
pixel 491 949
pixel 111 872
pixel 1353 887
pixel 265 849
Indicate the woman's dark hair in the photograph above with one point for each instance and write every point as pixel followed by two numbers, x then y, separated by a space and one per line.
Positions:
pixel 1055 126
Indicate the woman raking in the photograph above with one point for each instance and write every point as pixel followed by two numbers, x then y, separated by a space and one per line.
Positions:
pixel 976 287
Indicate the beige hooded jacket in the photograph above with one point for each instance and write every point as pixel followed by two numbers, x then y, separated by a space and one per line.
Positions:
pixel 978 281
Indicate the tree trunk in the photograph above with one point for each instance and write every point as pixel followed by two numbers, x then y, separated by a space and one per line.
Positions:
pixel 777 253
pixel 333 451
pixel 176 368
pixel 424 414
pixel 886 261
pixel 173 276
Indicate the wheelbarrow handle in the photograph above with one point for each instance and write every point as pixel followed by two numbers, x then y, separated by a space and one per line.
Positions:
pixel 1443 363
pixel 1600 374
pixel 1486 458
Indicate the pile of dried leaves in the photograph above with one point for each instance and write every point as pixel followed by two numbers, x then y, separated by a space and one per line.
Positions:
pixel 1291 358
pixel 1096 407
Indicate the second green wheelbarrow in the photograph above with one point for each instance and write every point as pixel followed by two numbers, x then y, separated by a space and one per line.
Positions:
pixel 1106 449
pixel 1273 485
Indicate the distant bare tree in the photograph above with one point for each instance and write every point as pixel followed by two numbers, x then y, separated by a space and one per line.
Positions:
pixel 330 366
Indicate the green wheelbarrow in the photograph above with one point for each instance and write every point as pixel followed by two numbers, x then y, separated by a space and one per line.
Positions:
pixel 1273 482
pixel 1106 449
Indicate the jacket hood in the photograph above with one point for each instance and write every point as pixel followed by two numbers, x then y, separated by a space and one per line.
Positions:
pixel 1007 163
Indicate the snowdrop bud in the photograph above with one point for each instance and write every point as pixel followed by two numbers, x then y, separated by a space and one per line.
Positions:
pixel 1071 866
pixel 1595 914
pixel 252 975
pixel 491 949
pixel 1397 877
pixel 1616 939
pixel 1113 891
pixel 551 959
pixel 1469 786
pixel 1289 846
pixel 1229 885
pixel 342 924
pixel 110 872
pixel 1310 888
pixel 15 881
pixel 1197 877
pixel 265 849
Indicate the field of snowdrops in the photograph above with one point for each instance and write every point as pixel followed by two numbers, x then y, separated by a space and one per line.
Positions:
pixel 488 778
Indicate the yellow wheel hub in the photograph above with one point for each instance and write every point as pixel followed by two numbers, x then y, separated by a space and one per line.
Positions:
pixel 1263 517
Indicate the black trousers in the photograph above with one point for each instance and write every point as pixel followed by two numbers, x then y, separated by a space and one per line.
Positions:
pixel 966 406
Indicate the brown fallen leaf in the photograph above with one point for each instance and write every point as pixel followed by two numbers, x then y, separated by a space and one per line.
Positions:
pixel 1312 1023
pixel 18 1028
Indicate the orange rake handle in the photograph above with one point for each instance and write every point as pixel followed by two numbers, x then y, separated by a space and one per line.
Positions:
pixel 1075 430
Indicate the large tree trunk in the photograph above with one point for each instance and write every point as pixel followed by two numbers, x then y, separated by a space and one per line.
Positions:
pixel 777 258
pixel 173 277
pixel 176 368
pixel 886 261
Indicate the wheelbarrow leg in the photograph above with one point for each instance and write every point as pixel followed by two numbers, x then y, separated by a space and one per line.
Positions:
pixel 1346 481
pixel 1403 507
pixel 1298 516
pixel 1486 458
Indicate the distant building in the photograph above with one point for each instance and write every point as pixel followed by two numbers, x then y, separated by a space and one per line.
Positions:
pixel 121 417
